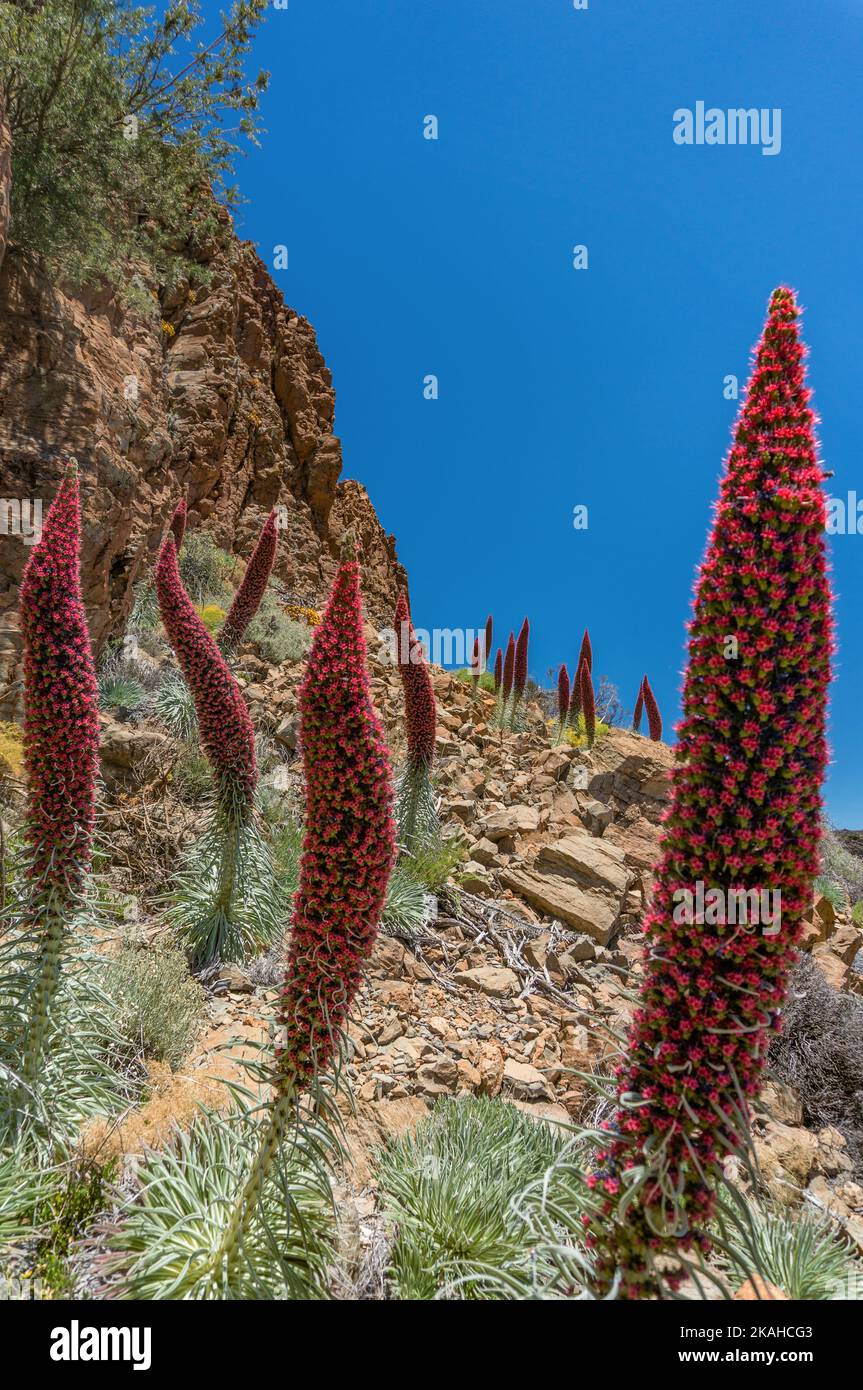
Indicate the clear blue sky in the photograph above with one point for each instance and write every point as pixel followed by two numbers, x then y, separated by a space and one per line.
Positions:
pixel 558 387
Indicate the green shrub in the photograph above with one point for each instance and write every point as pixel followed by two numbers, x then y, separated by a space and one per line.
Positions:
pixel 144 617
pixel 212 616
pixel 406 909
pixel 435 859
pixel 191 778
pixel 449 1190
pixel 93 195
pixel 287 849
pixel 841 870
pixel 64 1216
pixel 170 1234
pixel 576 738
pixel 175 707
pixel 277 637
pixel 121 694
pixel 205 569
pixel 832 891
pixel 799 1254
pixel 161 1008
pixel 486 680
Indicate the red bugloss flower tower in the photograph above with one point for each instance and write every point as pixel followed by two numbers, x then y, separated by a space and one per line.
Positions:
pixel 519 678
pixel 416 813
pixel 61 749
pixel 651 709
pixel 639 707
pixel 224 905
pixel 247 599
pixel 588 702
pixel 744 814
pixel 562 695
pixel 61 703
pixel 349 843
pixel 508 669
pixel 223 717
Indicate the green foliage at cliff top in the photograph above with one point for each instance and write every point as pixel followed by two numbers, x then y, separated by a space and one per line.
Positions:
pixel 122 127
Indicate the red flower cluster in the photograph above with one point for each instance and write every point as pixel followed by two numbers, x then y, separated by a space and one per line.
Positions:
pixel 488 635
pixel 227 735
pixel 476 664
pixel 562 694
pixel 588 704
pixel 349 841
pixel 178 523
pixel 508 668
pixel 61 702
pixel 745 813
pixel 639 706
pixel 420 708
pixel 586 652
pixel 247 599
pixel 654 720
pixel 575 695
pixel 498 670
pixel 519 680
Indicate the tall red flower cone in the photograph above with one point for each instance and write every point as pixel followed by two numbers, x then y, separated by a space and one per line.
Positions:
pixel 486 656
pixel 61 703
pixel 416 813
pixel 349 843
pixel 61 752
pixel 508 668
pixel 223 717
pixel 586 651
pixel 639 706
pixel 247 599
pixel 562 694
pixel 575 701
pixel 476 665
pixel 348 852
pixel 588 703
pixel 519 678
pixel 178 523
pixel 223 903
pixel 498 670
pixel 744 817
pixel 651 709
pixel 420 707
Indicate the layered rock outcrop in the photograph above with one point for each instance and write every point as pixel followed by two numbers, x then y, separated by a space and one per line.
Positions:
pixel 220 393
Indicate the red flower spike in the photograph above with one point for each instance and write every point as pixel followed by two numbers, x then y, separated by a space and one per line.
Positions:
pixel 575 696
pixel 586 652
pixel 476 664
pixel 744 814
pixel 562 694
pixel 420 707
pixel 227 736
pixel 247 599
pixel 588 704
pixel 350 836
pixel 498 670
pixel 61 702
pixel 178 523
pixel 639 706
pixel 508 668
pixel 488 634
pixel 651 708
pixel 519 680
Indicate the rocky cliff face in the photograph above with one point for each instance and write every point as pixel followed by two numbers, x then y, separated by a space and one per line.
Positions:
pixel 221 393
